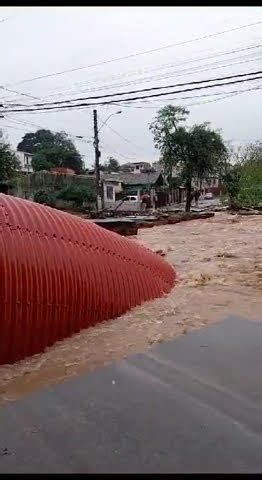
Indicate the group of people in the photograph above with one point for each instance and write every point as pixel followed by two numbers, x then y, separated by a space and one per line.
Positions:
pixel 146 199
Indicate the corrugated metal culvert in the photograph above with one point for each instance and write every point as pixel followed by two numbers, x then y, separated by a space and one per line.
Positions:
pixel 60 274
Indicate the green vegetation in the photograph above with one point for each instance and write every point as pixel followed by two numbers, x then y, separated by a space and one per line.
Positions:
pixel 49 189
pixel 112 165
pixel 243 180
pixel 77 194
pixel 51 150
pixel 197 151
pixel 44 197
pixel 8 163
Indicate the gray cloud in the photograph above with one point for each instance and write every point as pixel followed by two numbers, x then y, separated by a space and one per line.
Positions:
pixel 40 40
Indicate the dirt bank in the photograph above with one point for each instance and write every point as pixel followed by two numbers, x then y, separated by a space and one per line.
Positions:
pixel 219 266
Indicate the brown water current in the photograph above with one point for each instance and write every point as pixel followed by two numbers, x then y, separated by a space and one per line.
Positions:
pixel 219 266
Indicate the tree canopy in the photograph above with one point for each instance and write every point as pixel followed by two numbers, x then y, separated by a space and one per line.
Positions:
pixel 243 180
pixel 112 165
pixel 51 150
pixel 197 151
pixel 8 163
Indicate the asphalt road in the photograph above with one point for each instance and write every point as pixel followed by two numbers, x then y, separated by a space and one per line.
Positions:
pixel 190 405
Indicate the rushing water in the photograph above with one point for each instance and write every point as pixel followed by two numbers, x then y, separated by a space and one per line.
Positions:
pixel 219 267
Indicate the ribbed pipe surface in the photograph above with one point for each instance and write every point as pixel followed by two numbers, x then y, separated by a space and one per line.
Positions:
pixel 60 274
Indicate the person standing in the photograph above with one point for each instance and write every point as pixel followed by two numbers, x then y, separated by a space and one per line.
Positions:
pixel 196 196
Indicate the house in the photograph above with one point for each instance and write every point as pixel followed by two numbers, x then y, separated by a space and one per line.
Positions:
pixel 118 185
pixel 210 185
pixel 63 170
pixel 25 161
pixel 136 167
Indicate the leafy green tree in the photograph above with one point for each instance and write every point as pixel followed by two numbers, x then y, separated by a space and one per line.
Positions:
pixel 41 161
pixel 112 165
pixel 8 163
pixel 231 180
pixel 196 151
pixel 31 141
pixel 51 150
pixel 243 178
pixel 251 175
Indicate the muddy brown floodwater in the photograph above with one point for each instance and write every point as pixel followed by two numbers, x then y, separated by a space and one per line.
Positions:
pixel 219 267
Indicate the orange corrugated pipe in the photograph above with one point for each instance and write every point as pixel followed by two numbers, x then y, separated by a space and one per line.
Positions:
pixel 60 274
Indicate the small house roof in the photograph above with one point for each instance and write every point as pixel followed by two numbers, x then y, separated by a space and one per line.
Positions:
pixel 132 178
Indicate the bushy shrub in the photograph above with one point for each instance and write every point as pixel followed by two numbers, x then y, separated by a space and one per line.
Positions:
pixel 43 197
pixel 78 194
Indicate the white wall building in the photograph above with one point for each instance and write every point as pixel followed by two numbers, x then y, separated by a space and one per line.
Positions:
pixel 25 160
pixel 135 167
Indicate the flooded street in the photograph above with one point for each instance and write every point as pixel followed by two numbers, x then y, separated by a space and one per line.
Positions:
pixel 219 273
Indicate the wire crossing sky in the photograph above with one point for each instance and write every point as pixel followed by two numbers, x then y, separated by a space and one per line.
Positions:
pixel 65 56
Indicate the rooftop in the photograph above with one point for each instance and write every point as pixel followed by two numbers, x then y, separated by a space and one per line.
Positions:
pixel 130 164
pixel 132 178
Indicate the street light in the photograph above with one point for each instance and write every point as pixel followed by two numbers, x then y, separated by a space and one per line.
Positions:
pixel 111 115
pixel 82 138
pixel 99 187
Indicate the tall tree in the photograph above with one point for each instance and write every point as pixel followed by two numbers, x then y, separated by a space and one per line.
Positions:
pixel 51 150
pixel 112 165
pixel 243 179
pixel 250 183
pixel 8 163
pixel 196 151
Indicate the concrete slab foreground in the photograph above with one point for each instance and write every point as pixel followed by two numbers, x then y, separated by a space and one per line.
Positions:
pixel 190 405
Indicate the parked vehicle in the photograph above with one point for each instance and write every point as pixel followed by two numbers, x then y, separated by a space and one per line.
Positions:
pixel 208 196
pixel 131 198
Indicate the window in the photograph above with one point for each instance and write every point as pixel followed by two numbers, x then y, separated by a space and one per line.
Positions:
pixel 27 160
pixel 137 167
pixel 110 192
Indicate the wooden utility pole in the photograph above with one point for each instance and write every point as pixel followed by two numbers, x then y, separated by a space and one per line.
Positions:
pixel 99 191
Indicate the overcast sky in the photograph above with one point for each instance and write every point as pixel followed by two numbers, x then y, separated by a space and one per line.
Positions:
pixel 38 41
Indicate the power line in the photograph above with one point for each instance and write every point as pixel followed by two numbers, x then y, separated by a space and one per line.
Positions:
pixel 180 91
pixel 152 101
pixel 145 70
pixel 35 125
pixel 161 77
pixel 115 152
pixel 184 97
pixel 225 96
pixel 149 89
pixel 132 55
pixel 19 93
pixel 121 136
pixel 146 96
pixel 198 71
pixel 124 138
pixel 177 73
pixel 12 126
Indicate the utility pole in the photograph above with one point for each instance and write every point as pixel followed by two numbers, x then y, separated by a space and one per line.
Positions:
pixel 97 156
pixel 99 187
